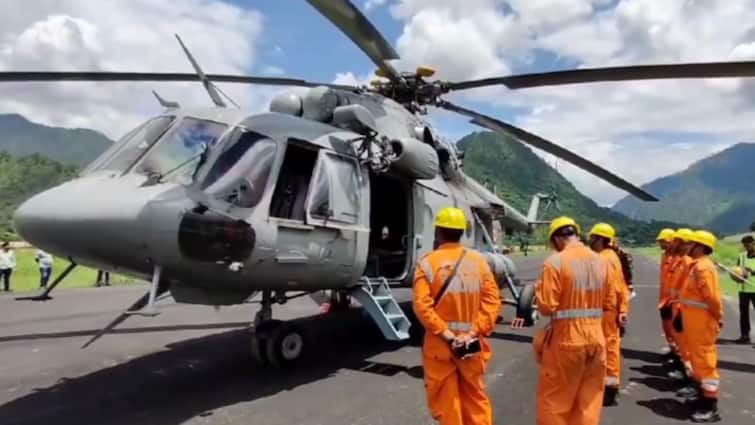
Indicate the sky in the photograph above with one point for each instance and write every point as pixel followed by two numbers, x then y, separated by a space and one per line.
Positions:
pixel 640 130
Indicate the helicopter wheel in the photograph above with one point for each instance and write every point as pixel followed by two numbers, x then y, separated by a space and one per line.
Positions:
pixel 526 308
pixel 285 346
pixel 260 335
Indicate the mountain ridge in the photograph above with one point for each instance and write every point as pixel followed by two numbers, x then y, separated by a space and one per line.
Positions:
pixel 714 192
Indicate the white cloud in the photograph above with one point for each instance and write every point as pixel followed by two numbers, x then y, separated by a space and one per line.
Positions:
pixel 481 38
pixel 122 36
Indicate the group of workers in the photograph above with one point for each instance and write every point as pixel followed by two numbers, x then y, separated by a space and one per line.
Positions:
pixel 691 313
pixel 583 291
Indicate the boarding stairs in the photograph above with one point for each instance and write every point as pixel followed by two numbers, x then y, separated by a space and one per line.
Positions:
pixel 374 294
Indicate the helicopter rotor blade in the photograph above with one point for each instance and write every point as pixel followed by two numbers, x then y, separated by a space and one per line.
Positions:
pixel 344 15
pixel 616 73
pixel 550 147
pixel 53 76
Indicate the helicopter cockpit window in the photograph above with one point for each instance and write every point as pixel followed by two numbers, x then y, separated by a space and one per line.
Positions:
pixel 240 173
pixel 181 151
pixel 336 193
pixel 130 148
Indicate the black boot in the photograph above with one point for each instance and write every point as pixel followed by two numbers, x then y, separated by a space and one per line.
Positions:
pixel 611 396
pixel 706 411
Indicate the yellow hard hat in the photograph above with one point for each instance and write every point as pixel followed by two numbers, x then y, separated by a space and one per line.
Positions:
pixel 704 237
pixel 451 218
pixel 684 234
pixel 665 235
pixel 603 229
pixel 560 222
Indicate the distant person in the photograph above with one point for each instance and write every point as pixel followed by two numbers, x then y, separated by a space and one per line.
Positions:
pixel 103 278
pixel 44 261
pixel 746 269
pixel 7 264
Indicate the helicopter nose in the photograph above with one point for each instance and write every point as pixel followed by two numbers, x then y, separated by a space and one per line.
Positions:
pixel 93 221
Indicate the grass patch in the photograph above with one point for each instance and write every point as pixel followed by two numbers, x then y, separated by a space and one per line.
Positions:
pixel 25 276
pixel 726 253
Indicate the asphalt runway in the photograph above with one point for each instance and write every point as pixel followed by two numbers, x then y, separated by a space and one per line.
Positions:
pixel 191 365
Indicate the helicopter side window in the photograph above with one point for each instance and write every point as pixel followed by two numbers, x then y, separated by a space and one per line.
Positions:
pixel 241 171
pixel 130 148
pixel 180 152
pixel 336 192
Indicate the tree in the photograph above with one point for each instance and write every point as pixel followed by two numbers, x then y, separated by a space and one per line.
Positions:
pixel 752 227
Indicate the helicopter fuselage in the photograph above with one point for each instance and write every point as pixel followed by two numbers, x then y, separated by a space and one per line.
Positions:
pixel 228 203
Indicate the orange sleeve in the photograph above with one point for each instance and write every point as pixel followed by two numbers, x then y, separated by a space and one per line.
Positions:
pixel 548 291
pixel 610 300
pixel 706 280
pixel 422 304
pixel 490 302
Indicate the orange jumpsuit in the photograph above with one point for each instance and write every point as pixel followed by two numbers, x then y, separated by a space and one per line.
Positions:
pixel 664 297
pixel 455 388
pixel 574 291
pixel 611 320
pixel 678 272
pixel 702 311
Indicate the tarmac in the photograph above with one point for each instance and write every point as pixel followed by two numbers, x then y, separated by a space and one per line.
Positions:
pixel 192 365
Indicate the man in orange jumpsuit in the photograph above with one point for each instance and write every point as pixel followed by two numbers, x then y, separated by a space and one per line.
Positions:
pixel 457 301
pixel 677 273
pixel 601 237
pixel 665 239
pixel 702 318
pixel 574 290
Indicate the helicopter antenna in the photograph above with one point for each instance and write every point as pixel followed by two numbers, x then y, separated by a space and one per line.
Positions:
pixel 211 90
pixel 165 103
pixel 227 97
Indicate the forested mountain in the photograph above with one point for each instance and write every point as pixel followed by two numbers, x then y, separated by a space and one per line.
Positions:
pixel 21 137
pixel 517 173
pixel 716 192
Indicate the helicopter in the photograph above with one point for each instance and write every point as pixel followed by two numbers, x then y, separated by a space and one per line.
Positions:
pixel 331 190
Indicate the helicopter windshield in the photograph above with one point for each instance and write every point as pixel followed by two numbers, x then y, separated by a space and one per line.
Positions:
pixel 240 173
pixel 126 151
pixel 179 153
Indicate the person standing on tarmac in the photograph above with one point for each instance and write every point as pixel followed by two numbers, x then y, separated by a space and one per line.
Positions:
pixel 745 269
pixel 575 291
pixel 457 301
pixel 677 274
pixel 665 238
pixel 600 238
pixel 702 319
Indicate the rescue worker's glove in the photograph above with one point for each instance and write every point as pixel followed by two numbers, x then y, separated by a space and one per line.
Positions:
pixel 677 322
pixel 666 312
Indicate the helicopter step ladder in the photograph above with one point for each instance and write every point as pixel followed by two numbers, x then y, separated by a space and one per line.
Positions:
pixel 375 296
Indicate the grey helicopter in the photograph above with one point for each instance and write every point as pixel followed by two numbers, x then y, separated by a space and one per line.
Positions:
pixel 331 190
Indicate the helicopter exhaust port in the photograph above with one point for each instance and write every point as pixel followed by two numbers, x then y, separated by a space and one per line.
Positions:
pixel 211 237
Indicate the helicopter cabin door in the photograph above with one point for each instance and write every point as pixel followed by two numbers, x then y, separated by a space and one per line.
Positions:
pixel 325 233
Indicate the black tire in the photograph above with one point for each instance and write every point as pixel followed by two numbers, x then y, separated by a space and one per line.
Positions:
pixel 260 334
pixel 525 308
pixel 285 346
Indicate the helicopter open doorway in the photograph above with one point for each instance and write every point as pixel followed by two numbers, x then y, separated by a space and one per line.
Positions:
pixel 389 253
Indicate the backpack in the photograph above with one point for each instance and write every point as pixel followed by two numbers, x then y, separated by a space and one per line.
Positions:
pixel 626 264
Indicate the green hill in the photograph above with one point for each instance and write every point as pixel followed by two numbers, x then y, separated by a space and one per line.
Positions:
pixel 715 193
pixel 21 137
pixel 517 173
pixel 20 178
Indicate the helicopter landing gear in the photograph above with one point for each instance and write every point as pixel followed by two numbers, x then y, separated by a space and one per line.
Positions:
pixel 275 342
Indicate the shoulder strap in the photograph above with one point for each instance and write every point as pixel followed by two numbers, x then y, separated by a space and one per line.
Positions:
pixel 448 280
